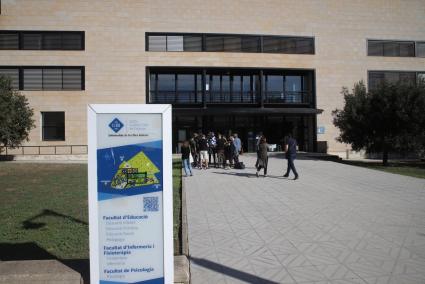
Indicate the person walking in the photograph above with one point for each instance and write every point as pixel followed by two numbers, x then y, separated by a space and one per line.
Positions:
pixel 290 154
pixel 203 150
pixel 185 149
pixel 262 159
pixel 193 151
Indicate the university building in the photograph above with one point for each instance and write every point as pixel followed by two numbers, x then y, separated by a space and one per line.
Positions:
pixel 226 66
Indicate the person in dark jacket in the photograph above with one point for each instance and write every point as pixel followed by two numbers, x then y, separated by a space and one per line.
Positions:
pixel 227 153
pixel 203 150
pixel 262 159
pixel 185 149
pixel 290 154
pixel 193 149
pixel 221 159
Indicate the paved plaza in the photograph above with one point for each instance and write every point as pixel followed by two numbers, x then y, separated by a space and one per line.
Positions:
pixel 336 224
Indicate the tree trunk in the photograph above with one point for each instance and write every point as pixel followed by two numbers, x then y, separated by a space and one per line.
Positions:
pixel 385 157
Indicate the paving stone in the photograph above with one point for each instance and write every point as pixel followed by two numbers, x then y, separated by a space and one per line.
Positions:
pixel 336 224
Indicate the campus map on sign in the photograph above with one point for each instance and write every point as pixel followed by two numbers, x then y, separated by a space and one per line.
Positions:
pixel 138 171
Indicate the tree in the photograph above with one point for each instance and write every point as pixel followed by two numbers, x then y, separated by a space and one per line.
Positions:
pixel 388 118
pixel 15 116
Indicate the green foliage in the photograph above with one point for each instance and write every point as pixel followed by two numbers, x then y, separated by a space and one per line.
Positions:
pixel 15 115
pixel 388 118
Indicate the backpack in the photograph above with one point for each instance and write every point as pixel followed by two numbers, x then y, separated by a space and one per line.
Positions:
pixel 240 166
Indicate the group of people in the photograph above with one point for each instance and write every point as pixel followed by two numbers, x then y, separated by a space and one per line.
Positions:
pixel 211 150
pixel 202 151
pixel 290 148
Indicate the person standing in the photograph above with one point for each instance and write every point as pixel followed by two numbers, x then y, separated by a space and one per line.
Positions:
pixel 262 159
pixel 212 143
pixel 238 144
pixel 290 154
pixel 203 150
pixel 185 149
pixel 221 159
pixel 234 152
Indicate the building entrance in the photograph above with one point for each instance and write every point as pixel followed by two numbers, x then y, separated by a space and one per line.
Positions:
pixel 274 127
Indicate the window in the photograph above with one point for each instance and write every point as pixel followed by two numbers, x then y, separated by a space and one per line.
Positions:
pixel 229 43
pixel 391 48
pixel 420 49
pixel 53 126
pixel 12 74
pixel 41 40
pixel 9 40
pixel 288 45
pixel 392 77
pixel 52 78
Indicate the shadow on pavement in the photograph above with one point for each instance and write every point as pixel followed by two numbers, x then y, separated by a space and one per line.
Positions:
pixel 251 175
pixel 237 274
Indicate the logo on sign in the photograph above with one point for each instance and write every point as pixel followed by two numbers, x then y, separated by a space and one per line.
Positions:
pixel 116 125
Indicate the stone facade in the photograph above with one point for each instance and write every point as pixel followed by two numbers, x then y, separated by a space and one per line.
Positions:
pixel 115 59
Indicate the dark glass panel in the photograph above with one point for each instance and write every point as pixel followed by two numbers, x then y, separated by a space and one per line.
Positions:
pixel 251 44
pixel 305 46
pixel 232 44
pixel 407 49
pixel 293 89
pixel 33 79
pixel 166 82
pixel 420 49
pixel 288 45
pixel 9 41
pixel 391 49
pixel 31 41
pixel 52 41
pixel 214 43
pixel 271 44
pixel 408 78
pixel 72 41
pixel 52 79
pixel 13 75
pixel 192 43
pixel 72 79
pixel 53 125
pixel 186 88
pixel 375 48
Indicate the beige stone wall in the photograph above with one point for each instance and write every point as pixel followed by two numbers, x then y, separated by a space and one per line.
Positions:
pixel 115 57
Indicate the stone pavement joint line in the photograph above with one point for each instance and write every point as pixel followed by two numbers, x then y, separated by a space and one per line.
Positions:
pixel 336 224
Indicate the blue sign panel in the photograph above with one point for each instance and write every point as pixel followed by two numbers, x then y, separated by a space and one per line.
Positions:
pixel 321 130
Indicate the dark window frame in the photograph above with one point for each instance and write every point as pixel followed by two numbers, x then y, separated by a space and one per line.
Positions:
pixel 383 42
pixel 260 48
pixel 21 76
pixel 392 71
pixel 43 126
pixel 256 78
pixel 21 33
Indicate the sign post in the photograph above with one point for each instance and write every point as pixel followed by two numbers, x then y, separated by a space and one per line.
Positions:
pixel 130 194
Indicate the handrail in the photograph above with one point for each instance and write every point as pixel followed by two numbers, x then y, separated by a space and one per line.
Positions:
pixel 6 150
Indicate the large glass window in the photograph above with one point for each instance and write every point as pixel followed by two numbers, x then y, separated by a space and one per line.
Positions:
pixel 391 48
pixel 174 43
pixel 229 86
pixel 53 126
